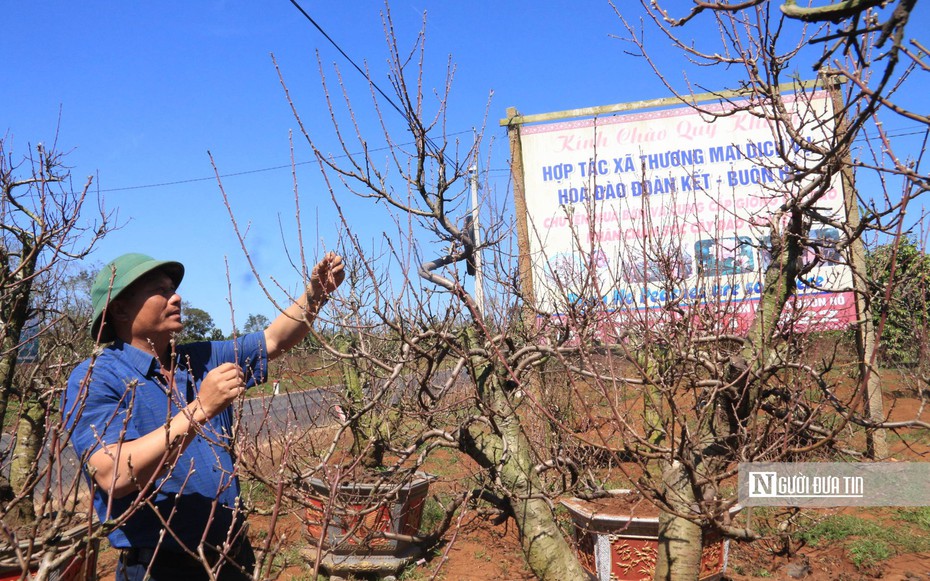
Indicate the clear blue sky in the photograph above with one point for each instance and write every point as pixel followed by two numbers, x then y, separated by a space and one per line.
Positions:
pixel 146 89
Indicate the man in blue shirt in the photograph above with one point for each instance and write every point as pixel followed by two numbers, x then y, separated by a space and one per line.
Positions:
pixel 152 422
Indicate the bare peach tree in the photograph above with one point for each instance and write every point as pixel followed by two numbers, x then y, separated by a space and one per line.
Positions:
pixel 44 308
pixel 675 396
pixel 423 374
pixel 670 396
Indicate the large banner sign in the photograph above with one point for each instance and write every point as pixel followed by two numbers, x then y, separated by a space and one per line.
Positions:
pixel 672 205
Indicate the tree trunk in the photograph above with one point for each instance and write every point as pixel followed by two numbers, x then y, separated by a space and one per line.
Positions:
pixel 14 313
pixel 16 290
pixel 680 539
pixel 30 432
pixel 507 454
pixel 368 437
pixel 547 553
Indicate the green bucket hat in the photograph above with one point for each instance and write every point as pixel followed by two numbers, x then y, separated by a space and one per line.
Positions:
pixel 124 271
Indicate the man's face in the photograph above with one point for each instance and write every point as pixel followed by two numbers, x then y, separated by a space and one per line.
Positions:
pixel 153 306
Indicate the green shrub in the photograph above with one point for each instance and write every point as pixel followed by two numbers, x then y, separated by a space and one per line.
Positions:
pixel 907 319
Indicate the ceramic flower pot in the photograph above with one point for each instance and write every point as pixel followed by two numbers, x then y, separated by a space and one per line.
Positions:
pixel 615 545
pixel 352 525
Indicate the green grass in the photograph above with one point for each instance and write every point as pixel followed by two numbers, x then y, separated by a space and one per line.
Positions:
pixel 294 383
pixel 564 519
pixel 416 574
pixel 910 436
pixel 288 556
pixel 866 552
pixel 839 527
pixel 432 515
pixel 919 516
pixel 868 542
pixel 257 494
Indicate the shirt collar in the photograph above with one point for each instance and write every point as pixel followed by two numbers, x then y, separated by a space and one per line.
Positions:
pixel 144 363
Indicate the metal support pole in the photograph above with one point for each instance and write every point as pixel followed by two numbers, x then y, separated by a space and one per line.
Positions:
pixel 866 337
pixel 476 224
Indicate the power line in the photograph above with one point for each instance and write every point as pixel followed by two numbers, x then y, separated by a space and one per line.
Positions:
pixel 203 179
pixel 402 112
pixel 903 132
pixel 348 58
pixel 253 171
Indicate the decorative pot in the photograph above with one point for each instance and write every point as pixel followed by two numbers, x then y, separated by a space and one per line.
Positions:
pixel 361 535
pixel 613 545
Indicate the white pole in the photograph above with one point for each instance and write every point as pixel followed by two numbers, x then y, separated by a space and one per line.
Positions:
pixel 479 276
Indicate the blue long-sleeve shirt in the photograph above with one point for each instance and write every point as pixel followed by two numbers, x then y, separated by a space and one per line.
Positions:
pixel 125 397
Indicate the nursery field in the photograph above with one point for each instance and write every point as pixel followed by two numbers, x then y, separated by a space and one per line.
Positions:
pixel 828 544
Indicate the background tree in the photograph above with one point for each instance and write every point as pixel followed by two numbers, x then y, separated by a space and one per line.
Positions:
pixel 255 322
pixel 428 356
pixel 198 325
pixel 61 313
